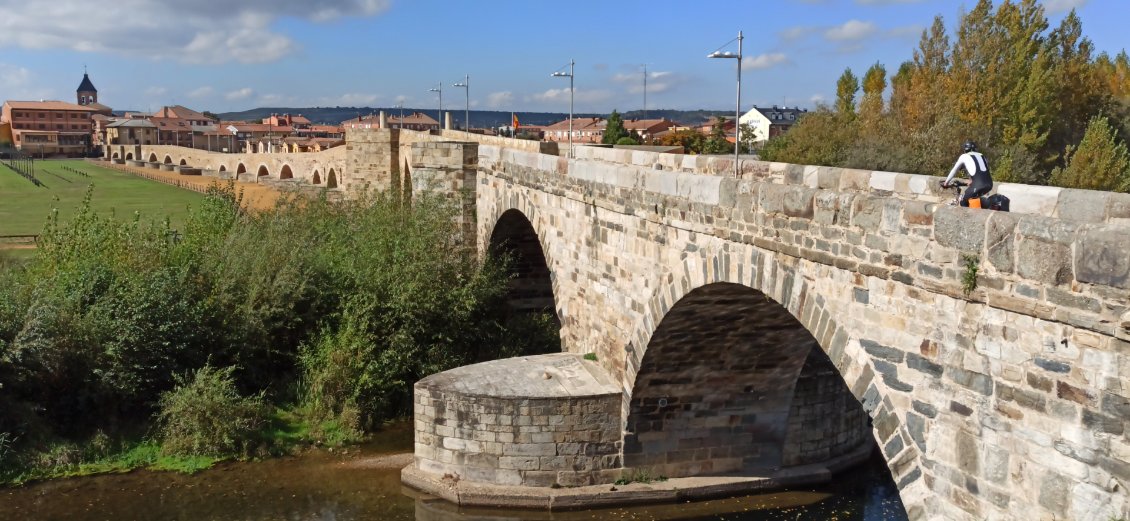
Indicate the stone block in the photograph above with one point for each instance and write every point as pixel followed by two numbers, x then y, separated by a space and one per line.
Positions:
pixel 1000 241
pixel 1102 256
pixel 867 212
pixel 1030 199
pixel 972 380
pixel 1044 250
pixel 1087 206
pixel 960 228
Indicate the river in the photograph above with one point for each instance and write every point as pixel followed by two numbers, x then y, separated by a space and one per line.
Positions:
pixel 363 483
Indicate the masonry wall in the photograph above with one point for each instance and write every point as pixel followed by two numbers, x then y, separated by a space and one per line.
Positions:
pixel 1006 402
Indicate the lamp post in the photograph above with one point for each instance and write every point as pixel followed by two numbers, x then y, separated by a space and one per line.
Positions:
pixel 644 91
pixel 466 84
pixel 401 107
pixel 738 108
pixel 439 114
pixel 562 74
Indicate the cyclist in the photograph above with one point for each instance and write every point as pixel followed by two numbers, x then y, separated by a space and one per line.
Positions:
pixel 978 169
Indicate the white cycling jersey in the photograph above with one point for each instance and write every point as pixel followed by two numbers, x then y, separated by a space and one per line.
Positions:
pixel 974 164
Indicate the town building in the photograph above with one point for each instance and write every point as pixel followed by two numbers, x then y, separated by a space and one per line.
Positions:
pixel 415 121
pixel 585 130
pixel 770 122
pixel 49 128
pixel 647 129
pixel 130 132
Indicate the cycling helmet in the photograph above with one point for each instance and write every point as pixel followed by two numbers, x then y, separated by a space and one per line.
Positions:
pixel 969 146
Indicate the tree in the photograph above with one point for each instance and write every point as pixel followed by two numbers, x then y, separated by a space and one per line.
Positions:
pixel 871 107
pixel 846 88
pixel 614 130
pixel 692 141
pixel 211 116
pixel 717 142
pixel 1100 162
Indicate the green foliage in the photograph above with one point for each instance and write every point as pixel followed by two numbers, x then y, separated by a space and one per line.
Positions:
pixel 846 87
pixel 339 305
pixel 590 357
pixel 969 275
pixel 717 142
pixel 614 131
pixel 1101 161
pixel 692 141
pixel 207 416
pixel 640 475
pixel 1024 91
pixel 627 140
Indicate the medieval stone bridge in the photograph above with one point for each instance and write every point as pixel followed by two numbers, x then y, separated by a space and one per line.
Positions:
pixel 771 325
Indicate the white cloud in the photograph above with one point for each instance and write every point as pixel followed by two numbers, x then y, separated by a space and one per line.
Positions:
pixel 499 100
pixel 351 99
pixel 191 32
pixel 763 61
pixel 17 83
pixel 657 81
pixel 580 96
pixel 796 33
pixel 240 94
pixel 155 92
pixel 817 99
pixel 1062 6
pixel 273 99
pixel 851 31
pixel 201 92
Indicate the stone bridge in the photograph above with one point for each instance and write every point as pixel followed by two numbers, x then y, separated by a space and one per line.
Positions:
pixel 767 328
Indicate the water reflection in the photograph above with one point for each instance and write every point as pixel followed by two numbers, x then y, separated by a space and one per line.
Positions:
pixel 365 485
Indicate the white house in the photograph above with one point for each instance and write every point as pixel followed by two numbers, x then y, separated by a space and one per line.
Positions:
pixel 768 122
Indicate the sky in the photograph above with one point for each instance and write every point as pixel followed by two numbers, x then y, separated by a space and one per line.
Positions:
pixel 231 55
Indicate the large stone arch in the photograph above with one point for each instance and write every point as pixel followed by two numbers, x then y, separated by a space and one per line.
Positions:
pixel 223 168
pixel 115 155
pixel 168 160
pixel 263 171
pixel 129 155
pixel 286 173
pixel 152 157
pixel 781 283
pixel 241 169
pixel 316 178
pixel 532 287
pixel 331 179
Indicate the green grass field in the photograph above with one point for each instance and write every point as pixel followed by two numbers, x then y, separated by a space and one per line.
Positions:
pixel 24 207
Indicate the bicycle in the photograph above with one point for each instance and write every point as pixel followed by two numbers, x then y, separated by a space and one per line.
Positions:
pixel 995 202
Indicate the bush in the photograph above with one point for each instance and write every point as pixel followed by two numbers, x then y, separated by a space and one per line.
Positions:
pixel 208 417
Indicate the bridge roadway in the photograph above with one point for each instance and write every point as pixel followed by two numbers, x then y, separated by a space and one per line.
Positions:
pixel 770 326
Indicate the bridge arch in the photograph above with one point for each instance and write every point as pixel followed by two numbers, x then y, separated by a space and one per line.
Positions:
pixel 316 178
pixel 168 160
pixel 331 179
pixel 262 172
pixel 115 155
pixel 286 173
pixel 183 162
pixel 129 155
pixel 531 289
pixel 241 169
pixel 223 168
pixel 152 157
pixel 745 308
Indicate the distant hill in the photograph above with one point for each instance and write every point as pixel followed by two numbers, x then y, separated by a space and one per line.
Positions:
pixel 479 118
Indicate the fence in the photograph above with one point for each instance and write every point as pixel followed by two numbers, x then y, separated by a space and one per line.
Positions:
pixel 24 165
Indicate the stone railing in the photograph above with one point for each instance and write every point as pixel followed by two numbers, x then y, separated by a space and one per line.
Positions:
pixel 1086 206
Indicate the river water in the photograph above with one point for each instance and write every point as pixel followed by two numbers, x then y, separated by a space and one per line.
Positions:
pixel 364 484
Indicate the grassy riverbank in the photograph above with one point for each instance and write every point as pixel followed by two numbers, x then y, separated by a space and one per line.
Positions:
pixel 126 344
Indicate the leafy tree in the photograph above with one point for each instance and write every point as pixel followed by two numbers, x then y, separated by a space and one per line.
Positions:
pixel 1100 162
pixel 627 140
pixel 717 142
pixel 871 107
pixel 211 116
pixel 692 141
pixel 614 130
pixel 846 87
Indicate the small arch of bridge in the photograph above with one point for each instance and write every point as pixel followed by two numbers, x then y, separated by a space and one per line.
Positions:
pixel 286 173
pixel 316 178
pixel 263 171
pixel 168 160
pixel 152 157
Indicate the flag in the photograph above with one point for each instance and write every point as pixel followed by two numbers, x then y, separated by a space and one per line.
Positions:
pixel 515 116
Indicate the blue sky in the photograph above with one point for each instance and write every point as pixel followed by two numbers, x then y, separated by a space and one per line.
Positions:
pixel 224 55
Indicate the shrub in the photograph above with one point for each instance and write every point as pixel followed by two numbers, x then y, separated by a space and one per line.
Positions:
pixel 208 417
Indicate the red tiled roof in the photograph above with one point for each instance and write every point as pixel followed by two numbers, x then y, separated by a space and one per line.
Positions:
pixel 46 105
pixel 180 112
pixel 578 124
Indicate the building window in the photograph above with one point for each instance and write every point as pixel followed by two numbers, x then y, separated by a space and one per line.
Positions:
pixel 42 126
pixel 42 115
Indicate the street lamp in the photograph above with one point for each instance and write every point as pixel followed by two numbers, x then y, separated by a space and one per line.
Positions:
pixel 738 108
pixel 562 74
pixel 466 84
pixel 439 89
pixel 644 91
pixel 401 107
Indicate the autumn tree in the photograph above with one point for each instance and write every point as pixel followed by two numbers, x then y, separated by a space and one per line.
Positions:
pixel 871 106
pixel 717 142
pixel 846 87
pixel 1100 162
